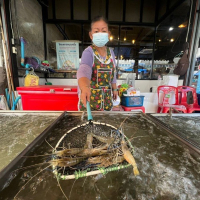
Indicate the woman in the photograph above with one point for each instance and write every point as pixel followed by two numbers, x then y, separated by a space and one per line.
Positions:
pixel 97 72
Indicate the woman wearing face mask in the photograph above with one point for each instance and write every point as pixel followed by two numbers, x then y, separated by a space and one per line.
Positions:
pixel 97 72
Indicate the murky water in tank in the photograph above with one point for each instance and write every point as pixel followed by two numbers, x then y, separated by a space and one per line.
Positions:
pixel 187 126
pixel 167 170
pixel 17 131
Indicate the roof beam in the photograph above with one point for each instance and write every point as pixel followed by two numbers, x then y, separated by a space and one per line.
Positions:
pixel 124 10
pixel 62 31
pixel 60 21
pixel 141 10
pixel 72 9
pixel 157 10
pixel 54 9
pixel 170 11
pixel 107 8
pixel 89 9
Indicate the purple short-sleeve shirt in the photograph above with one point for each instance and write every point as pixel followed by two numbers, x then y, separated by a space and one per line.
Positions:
pixel 87 59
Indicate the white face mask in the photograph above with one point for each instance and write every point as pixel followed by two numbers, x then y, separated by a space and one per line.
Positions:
pixel 100 39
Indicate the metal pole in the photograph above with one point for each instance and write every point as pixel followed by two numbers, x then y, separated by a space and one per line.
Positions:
pixel 141 10
pixel 12 58
pixel 44 18
pixel 154 41
pixel 107 8
pixel 72 9
pixel 82 34
pixel 194 51
pixel 118 47
pixel 124 10
pixel 54 9
pixel 193 45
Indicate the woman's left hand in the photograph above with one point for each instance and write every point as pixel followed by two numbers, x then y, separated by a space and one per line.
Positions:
pixel 115 93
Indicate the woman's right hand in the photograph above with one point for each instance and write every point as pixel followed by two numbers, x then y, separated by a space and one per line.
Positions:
pixel 85 94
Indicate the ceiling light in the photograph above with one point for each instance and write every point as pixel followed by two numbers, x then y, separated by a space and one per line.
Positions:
pixel 133 41
pixel 182 26
pixel 159 40
pixel 125 36
pixel 172 40
pixel 171 28
pixel 111 37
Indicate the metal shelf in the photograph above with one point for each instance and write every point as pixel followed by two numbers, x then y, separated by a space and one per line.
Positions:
pixel 35 70
pixel 65 71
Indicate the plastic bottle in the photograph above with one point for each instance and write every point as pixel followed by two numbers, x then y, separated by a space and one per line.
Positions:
pixel 159 80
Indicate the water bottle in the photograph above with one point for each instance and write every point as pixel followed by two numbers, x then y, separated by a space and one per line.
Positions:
pixel 159 80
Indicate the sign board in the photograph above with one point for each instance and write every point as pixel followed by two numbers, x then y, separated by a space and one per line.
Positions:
pixel 67 54
pixel 171 80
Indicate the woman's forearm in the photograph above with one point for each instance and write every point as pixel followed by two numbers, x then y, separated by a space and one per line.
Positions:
pixel 83 82
pixel 114 86
pixel 84 85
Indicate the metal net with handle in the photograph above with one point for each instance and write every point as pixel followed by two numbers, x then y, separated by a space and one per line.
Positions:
pixel 76 138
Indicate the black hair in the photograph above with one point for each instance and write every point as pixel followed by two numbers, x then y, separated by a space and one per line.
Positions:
pixel 98 18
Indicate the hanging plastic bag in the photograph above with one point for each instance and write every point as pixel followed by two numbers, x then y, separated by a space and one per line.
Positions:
pixel 3 103
pixel 31 79
pixel 183 64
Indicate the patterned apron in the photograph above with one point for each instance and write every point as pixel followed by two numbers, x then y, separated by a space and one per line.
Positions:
pixel 102 77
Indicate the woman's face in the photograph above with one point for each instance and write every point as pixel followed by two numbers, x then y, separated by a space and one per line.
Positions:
pixel 99 27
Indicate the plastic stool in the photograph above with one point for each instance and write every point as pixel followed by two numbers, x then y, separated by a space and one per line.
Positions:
pixel 142 108
pixel 163 100
pixel 184 97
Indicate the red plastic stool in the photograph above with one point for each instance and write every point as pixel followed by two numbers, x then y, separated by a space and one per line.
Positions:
pixel 134 108
pixel 183 90
pixel 163 101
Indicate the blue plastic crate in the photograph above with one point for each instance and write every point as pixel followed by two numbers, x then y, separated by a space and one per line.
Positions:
pixel 132 101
